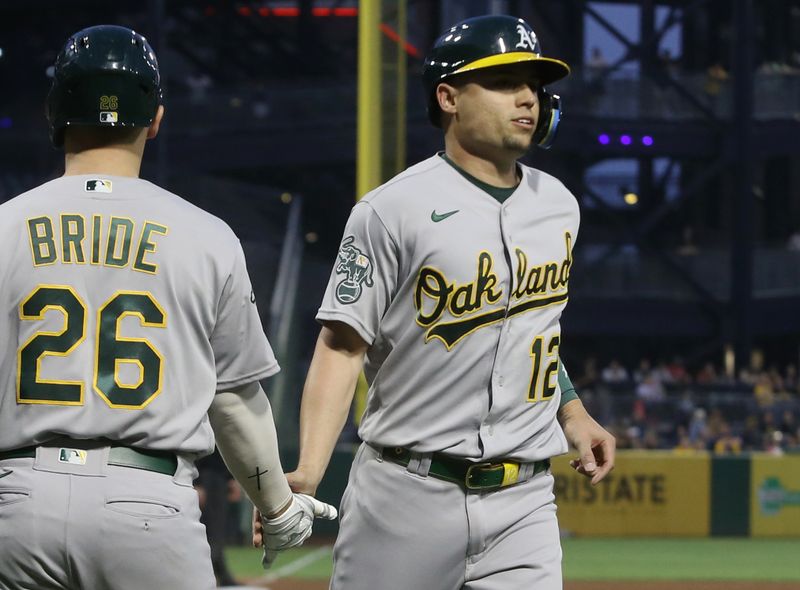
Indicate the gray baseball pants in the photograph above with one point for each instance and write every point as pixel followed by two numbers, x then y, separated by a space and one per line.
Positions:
pixel 400 529
pixel 99 527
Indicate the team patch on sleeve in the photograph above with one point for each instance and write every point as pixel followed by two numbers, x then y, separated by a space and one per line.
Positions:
pixel 357 268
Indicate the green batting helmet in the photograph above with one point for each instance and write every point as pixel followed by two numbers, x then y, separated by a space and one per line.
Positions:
pixel 105 76
pixel 491 41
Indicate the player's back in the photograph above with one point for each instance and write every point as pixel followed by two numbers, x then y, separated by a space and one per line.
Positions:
pixel 122 300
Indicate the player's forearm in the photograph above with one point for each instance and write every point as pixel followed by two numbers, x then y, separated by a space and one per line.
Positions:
pixel 245 433
pixel 576 421
pixel 570 410
pixel 327 396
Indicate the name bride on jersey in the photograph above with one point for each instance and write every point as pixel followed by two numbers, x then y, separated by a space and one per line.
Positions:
pixel 101 240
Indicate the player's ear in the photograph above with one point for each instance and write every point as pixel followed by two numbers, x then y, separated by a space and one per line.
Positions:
pixel 152 131
pixel 446 97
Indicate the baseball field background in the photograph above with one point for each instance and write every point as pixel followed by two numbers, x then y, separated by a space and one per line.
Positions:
pixel 591 564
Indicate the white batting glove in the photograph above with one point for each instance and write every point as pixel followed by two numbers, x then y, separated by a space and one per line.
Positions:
pixel 292 527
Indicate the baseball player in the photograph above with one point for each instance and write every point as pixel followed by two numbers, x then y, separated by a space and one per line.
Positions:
pixel 448 289
pixel 125 309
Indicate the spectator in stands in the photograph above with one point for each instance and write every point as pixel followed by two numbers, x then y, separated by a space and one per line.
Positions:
pixel 684 444
pixel 650 439
pixel 650 389
pixel 715 424
pixel 752 435
pixel 790 380
pixel 792 442
pixel 764 390
pixel 773 442
pixel 776 379
pixel 677 371
pixel 589 378
pixel 727 442
pixel 639 412
pixel 684 409
pixel 615 373
pixel 698 430
pixel 622 430
pixel 767 421
pixel 662 373
pixel 597 399
pixel 643 371
pixel 788 423
pixel 707 375
pixel 748 377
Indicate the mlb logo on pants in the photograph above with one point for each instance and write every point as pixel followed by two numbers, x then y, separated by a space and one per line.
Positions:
pixel 72 456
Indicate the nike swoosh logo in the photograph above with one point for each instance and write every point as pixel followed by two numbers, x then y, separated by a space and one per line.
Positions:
pixel 437 217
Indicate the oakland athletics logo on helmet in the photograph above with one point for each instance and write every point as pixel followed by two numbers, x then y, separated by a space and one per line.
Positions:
pixel 357 267
pixel 527 38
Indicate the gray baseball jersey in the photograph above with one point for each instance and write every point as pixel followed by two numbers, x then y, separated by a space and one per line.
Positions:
pixel 124 309
pixel 459 297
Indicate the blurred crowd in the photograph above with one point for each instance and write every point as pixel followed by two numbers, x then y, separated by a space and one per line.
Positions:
pixel 664 405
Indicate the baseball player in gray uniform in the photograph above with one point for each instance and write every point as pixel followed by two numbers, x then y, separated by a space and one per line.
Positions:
pixel 448 289
pixel 129 338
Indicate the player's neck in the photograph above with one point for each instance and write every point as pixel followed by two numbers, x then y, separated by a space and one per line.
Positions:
pixel 499 172
pixel 86 156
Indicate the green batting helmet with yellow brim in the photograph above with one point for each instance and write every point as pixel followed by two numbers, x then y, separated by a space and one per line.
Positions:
pixel 104 76
pixel 486 42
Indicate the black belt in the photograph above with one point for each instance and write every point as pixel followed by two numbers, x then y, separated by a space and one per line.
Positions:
pixel 473 476
pixel 158 461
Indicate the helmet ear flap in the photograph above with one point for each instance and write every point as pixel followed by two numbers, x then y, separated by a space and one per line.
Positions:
pixel 549 118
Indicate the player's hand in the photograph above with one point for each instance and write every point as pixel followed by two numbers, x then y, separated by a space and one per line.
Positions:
pixel 292 527
pixel 300 482
pixel 595 445
pixel 258 529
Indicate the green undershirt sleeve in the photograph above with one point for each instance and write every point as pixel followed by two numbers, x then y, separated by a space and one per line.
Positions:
pixel 568 392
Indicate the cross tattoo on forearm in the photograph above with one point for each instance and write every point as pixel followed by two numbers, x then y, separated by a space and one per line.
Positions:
pixel 258 475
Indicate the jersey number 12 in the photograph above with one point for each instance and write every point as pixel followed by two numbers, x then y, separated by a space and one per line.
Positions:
pixel 545 368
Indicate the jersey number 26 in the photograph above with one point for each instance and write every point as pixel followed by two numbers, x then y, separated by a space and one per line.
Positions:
pixel 111 349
